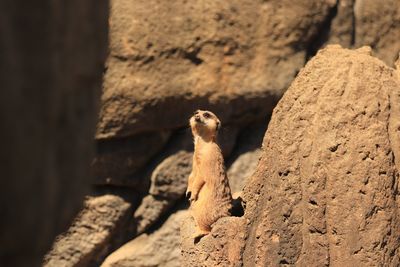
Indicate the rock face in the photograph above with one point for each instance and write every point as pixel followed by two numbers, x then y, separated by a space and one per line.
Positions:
pixel 159 248
pixel 358 23
pixel 52 58
pixel 236 57
pixel 119 158
pixel 222 247
pixel 93 233
pixel 379 31
pixel 324 192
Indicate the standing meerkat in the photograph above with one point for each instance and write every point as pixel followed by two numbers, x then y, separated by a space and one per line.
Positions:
pixel 208 186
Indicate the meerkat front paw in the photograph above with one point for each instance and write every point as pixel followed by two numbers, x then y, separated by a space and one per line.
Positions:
pixel 193 196
pixel 188 195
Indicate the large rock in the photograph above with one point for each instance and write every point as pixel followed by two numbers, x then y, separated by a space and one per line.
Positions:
pixel 356 23
pixel 168 58
pixel 52 59
pixel 244 159
pixel 168 185
pixel 222 247
pixel 378 25
pixel 99 227
pixel 159 248
pixel 324 192
pixel 117 159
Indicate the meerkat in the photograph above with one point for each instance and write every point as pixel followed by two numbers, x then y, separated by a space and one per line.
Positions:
pixel 208 186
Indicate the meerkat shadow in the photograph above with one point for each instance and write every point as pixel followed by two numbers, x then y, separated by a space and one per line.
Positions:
pixel 237 209
pixel 197 239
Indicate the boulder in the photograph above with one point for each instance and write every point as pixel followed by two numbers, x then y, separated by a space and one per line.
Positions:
pixel 169 179
pixel 342 26
pixel 356 23
pixel 169 58
pixel 119 158
pixel 378 25
pixel 99 227
pixel 244 159
pixel 159 248
pixel 52 59
pixel 222 247
pixel 324 192
pixel 242 168
pixel 168 185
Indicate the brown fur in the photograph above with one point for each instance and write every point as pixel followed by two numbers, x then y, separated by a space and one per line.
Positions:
pixel 208 185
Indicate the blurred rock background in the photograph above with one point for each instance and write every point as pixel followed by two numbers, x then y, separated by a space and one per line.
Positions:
pixel 166 59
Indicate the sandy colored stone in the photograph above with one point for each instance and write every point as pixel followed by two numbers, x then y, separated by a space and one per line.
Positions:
pixel 169 58
pixel 378 25
pixel 244 158
pixel 116 159
pixel 159 248
pixel 242 168
pixel 94 232
pixel 169 179
pixel 324 192
pixel 222 247
pixel 342 27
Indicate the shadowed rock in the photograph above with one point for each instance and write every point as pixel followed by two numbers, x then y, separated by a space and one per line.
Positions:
pixel 98 227
pixel 51 63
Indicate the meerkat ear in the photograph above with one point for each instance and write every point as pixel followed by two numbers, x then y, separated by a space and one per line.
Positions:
pixel 218 125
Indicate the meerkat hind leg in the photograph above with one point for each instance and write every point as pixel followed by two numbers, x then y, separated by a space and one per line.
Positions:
pixel 200 232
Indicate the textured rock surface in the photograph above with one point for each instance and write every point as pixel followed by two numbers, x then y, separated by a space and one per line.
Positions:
pixel 119 158
pixel 324 193
pixel 342 27
pixel 93 234
pixel 244 159
pixel 159 248
pixel 169 179
pixel 242 169
pixel 378 25
pixel 52 55
pixel 222 247
pixel 367 22
pixel 168 185
pixel 236 57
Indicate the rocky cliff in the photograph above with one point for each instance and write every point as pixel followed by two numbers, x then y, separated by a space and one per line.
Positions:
pixel 307 198
pixel 325 190
pixel 52 56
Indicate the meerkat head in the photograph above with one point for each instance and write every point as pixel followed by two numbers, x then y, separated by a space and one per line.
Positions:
pixel 205 124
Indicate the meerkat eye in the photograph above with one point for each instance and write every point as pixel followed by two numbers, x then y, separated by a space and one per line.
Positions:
pixel 196 112
pixel 207 115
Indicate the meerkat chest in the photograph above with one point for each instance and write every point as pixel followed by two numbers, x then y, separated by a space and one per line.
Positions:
pixel 203 152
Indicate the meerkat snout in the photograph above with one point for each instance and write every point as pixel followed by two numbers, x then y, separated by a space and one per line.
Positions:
pixel 205 124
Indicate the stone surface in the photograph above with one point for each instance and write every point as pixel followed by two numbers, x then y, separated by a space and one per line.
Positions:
pixel 222 247
pixel 342 28
pixel 52 58
pixel 169 179
pixel 169 58
pixel 98 227
pixel 244 159
pixel 242 168
pixel 159 248
pixel 357 23
pixel 324 192
pixel 378 25
pixel 118 158
pixel 150 210
pixel 168 185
